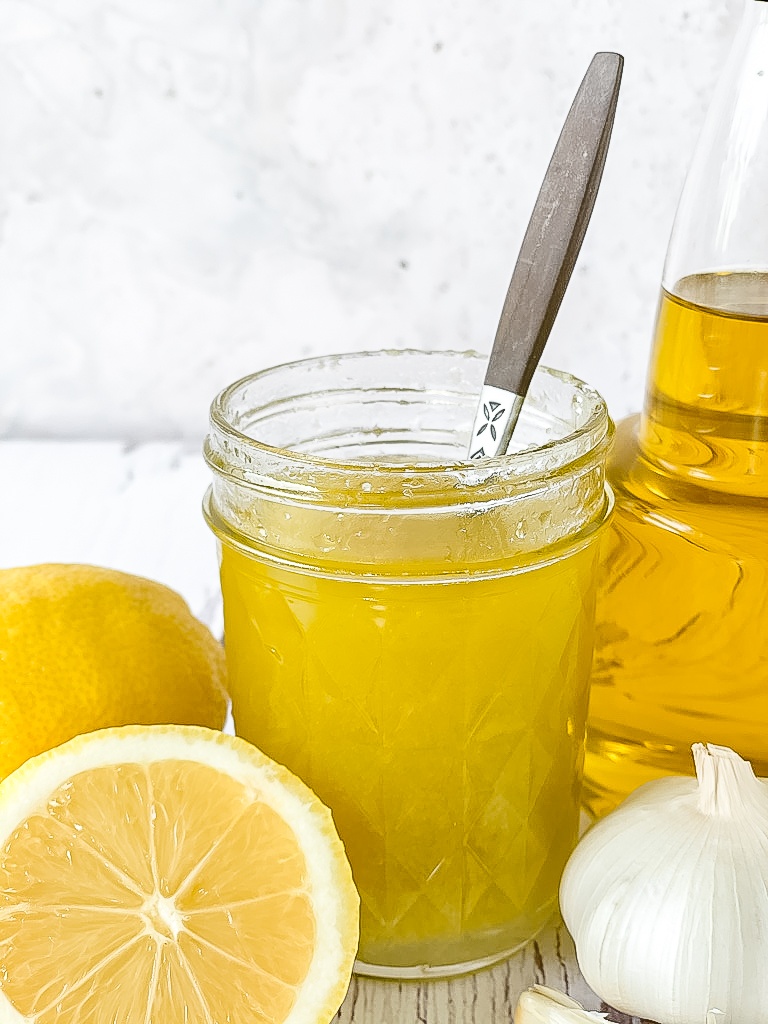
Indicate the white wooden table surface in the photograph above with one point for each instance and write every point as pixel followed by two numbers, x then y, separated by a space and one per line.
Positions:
pixel 137 508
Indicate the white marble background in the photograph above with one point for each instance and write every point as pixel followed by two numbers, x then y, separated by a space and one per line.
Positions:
pixel 194 189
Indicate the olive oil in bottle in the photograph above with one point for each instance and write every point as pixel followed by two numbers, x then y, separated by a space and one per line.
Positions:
pixel 682 617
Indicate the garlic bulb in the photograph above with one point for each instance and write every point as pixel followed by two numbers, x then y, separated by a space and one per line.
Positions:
pixel 541 1005
pixel 667 897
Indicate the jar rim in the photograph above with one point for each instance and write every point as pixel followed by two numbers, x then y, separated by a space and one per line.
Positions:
pixel 518 464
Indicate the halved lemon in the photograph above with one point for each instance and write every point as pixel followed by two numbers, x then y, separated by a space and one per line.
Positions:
pixel 170 875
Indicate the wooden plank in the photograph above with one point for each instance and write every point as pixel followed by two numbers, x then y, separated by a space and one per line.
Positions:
pixel 486 997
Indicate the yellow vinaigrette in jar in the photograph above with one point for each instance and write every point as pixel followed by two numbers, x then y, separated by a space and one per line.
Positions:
pixel 414 638
pixel 442 723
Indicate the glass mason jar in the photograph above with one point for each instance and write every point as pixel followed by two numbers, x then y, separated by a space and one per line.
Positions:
pixel 411 632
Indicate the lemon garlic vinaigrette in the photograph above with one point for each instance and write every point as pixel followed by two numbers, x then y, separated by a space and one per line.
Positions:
pixel 681 640
pixel 411 633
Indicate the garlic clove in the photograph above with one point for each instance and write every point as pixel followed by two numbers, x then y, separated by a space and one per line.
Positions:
pixel 667 897
pixel 541 1005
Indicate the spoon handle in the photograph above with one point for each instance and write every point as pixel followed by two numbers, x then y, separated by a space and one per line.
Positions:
pixel 547 256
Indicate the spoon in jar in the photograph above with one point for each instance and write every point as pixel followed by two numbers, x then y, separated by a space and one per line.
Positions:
pixel 547 256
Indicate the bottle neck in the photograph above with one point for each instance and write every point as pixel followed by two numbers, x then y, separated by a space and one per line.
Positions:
pixel 705 418
pixel 722 217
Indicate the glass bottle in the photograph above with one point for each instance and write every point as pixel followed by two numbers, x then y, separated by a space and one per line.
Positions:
pixel 682 621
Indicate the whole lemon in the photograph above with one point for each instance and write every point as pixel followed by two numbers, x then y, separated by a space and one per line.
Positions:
pixel 83 648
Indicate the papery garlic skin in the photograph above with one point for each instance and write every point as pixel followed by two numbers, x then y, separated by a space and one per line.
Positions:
pixel 542 1005
pixel 667 897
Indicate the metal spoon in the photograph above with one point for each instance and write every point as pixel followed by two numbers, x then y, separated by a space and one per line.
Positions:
pixel 547 256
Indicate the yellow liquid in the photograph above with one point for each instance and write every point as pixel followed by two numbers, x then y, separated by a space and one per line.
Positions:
pixel 442 722
pixel 681 643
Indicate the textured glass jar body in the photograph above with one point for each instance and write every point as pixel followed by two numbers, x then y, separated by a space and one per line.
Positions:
pixel 411 633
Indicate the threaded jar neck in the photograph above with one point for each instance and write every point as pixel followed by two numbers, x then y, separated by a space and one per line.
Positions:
pixel 361 459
